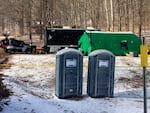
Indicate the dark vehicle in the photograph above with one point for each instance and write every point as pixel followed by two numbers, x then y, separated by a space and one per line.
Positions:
pixel 13 46
pixel 59 38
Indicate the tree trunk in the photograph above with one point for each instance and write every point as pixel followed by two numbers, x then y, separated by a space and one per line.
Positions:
pixel 119 16
pixel 133 15
pixel 22 19
pixel 107 16
pixel 127 22
pixel 112 15
pixel 3 24
pixel 140 18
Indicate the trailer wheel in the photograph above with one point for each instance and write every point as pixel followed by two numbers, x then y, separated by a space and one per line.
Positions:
pixel 28 51
pixel 33 49
pixel 10 51
pixel 135 54
pixel 86 53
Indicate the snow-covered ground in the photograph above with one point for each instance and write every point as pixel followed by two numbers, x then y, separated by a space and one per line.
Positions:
pixel 31 78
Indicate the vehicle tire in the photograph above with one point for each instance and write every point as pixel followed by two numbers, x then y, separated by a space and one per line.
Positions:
pixel 33 50
pixel 5 50
pixel 28 51
pixel 135 54
pixel 10 51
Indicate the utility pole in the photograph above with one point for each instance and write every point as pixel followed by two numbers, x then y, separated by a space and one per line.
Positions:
pixel 144 64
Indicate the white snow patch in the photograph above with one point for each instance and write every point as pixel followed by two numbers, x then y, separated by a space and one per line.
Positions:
pixel 32 79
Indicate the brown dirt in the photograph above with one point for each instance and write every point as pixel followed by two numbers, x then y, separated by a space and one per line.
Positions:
pixel 3 54
pixel 4 92
pixel 136 81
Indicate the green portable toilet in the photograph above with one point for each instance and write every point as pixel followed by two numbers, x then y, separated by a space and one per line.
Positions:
pixel 69 68
pixel 119 43
pixel 101 74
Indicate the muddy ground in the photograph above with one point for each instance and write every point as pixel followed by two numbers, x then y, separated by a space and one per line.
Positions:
pixel 4 92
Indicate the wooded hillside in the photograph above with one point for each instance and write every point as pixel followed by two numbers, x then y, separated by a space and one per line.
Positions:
pixel 24 16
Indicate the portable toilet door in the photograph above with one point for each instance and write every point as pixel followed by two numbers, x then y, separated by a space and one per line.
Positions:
pixel 101 74
pixel 69 68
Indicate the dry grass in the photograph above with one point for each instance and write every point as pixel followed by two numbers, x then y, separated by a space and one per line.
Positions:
pixel 136 81
pixel 4 92
pixel 2 53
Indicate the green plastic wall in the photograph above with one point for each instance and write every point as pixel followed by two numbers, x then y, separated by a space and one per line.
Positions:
pixel 94 40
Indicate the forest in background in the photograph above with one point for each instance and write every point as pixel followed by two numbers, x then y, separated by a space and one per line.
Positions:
pixel 22 17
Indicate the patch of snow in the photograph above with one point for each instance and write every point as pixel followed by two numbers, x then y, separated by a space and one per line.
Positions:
pixel 32 80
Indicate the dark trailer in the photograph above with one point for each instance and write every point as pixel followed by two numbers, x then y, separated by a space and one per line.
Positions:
pixel 59 38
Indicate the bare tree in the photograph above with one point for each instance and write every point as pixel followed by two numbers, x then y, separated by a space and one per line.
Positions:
pixel 115 15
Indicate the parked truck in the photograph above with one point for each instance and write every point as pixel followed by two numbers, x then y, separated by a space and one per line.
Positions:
pixel 59 38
